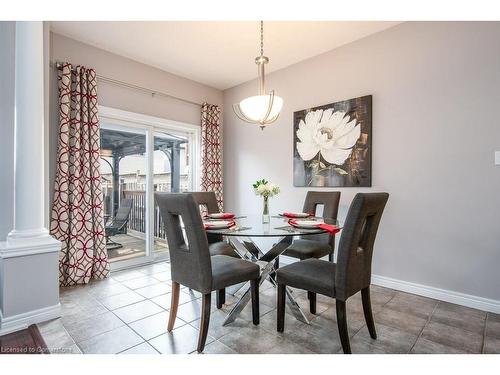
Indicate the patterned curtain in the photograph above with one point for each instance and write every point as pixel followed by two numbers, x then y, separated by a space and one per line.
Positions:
pixel 211 151
pixel 77 211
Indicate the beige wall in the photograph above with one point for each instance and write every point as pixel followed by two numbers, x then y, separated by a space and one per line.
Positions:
pixel 117 67
pixel 114 66
pixel 436 90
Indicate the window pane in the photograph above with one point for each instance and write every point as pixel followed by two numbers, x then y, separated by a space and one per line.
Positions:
pixel 124 178
pixel 171 167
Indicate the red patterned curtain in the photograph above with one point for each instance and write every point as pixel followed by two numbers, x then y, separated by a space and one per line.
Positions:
pixel 77 211
pixel 211 151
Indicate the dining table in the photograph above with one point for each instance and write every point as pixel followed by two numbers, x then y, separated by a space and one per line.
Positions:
pixel 243 237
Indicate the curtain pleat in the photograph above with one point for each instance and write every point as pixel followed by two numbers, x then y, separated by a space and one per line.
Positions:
pixel 211 151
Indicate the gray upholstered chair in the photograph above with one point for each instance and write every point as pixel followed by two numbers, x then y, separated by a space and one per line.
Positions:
pixel 320 245
pixel 351 273
pixel 191 264
pixel 216 244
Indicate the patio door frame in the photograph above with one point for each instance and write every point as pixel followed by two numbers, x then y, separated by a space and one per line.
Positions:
pixel 117 118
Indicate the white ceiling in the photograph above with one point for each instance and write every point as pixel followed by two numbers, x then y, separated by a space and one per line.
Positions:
pixel 217 53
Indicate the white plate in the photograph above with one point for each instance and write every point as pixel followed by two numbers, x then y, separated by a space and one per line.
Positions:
pixel 219 224
pixel 219 215
pixel 299 214
pixel 307 224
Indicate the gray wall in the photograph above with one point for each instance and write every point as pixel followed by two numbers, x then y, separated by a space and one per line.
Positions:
pixel 436 88
pixel 7 57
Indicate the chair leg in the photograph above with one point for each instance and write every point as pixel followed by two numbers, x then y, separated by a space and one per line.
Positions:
pixel 367 309
pixel 254 285
pixel 312 302
pixel 330 257
pixel 205 321
pixel 281 307
pixel 112 245
pixel 220 297
pixel 173 305
pixel 342 325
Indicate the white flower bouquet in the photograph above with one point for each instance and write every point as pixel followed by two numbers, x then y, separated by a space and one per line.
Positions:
pixel 265 189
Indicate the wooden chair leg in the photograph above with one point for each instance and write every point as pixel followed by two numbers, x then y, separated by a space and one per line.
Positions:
pixel 220 297
pixel 173 306
pixel 205 321
pixel 367 309
pixel 254 284
pixel 342 325
pixel 312 302
pixel 281 307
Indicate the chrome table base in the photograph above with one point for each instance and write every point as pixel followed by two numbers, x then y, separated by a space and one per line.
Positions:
pixel 247 249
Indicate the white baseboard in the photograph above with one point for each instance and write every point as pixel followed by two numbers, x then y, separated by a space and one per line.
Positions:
pixel 22 321
pixel 462 299
pixel 468 300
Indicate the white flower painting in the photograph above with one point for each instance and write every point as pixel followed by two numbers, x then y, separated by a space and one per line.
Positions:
pixel 333 134
pixel 333 144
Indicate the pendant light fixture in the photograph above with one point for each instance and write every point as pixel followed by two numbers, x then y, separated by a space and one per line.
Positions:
pixel 262 109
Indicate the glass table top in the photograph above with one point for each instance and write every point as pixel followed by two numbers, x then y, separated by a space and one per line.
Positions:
pixel 252 226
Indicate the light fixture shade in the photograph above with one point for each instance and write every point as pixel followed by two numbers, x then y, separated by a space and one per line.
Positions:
pixel 256 108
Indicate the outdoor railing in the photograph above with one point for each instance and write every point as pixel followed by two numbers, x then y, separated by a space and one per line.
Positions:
pixel 137 218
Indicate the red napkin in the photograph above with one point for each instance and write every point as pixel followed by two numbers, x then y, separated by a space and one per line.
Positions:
pixel 292 215
pixel 227 216
pixel 224 216
pixel 332 229
pixel 210 226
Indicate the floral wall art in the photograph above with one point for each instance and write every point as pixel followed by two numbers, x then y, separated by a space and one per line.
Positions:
pixel 332 144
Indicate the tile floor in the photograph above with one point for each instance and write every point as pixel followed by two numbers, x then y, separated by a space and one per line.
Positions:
pixel 127 314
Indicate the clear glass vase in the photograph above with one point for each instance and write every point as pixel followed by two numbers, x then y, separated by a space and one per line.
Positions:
pixel 265 211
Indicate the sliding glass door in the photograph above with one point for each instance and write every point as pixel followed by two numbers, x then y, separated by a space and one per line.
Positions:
pixel 171 173
pixel 141 155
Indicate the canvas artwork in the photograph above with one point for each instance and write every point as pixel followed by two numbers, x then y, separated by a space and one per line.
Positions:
pixel 333 144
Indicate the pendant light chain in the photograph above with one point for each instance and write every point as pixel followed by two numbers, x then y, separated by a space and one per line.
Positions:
pixel 262 38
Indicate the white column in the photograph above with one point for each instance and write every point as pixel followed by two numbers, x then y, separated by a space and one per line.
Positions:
pixel 29 286
pixel 29 136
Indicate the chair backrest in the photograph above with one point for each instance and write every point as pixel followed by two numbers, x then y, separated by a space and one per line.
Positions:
pixel 206 199
pixel 123 211
pixel 189 261
pixel 330 202
pixel 208 202
pixel 354 259
pixel 329 199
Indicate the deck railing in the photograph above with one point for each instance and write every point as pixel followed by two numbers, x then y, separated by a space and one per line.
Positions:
pixel 137 218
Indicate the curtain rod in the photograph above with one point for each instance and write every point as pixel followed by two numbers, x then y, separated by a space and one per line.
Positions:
pixel 153 93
